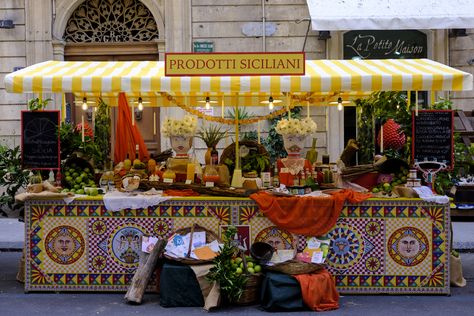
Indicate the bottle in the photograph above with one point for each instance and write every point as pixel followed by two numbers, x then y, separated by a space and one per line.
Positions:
pixel 302 179
pixel 51 176
pixel 137 160
pixel 58 178
pixel 276 178
pixel 214 156
pixel 127 163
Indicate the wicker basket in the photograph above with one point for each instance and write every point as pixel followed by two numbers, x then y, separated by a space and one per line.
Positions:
pixel 251 293
pixel 295 267
pixel 210 237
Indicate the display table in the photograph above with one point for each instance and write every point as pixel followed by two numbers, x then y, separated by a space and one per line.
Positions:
pixel 398 246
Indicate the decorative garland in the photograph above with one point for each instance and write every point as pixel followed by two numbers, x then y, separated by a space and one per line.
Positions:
pixel 223 120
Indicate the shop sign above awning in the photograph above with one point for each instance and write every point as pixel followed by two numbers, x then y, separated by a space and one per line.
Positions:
pixel 321 76
pixel 337 15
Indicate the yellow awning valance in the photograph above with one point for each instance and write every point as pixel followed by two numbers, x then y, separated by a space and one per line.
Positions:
pixel 137 77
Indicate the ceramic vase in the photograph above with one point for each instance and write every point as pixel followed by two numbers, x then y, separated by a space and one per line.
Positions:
pixel 181 145
pixel 294 144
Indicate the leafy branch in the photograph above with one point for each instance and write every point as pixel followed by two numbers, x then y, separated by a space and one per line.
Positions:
pixel 232 284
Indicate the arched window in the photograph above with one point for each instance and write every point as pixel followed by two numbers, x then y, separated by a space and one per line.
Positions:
pixel 101 21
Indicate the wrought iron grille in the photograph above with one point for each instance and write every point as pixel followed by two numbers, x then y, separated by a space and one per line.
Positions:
pixel 99 21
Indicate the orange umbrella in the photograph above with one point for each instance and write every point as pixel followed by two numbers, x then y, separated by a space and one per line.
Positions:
pixel 127 136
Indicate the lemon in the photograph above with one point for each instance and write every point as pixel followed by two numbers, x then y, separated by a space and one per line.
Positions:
pixel 257 268
pixel 375 190
pixel 250 270
pixel 238 271
pixel 249 264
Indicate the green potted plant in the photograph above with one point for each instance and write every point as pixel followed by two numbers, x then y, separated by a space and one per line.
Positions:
pixel 211 136
pixel 13 177
pixel 38 104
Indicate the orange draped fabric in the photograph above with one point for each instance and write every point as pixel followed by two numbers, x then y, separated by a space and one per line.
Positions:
pixel 310 216
pixel 127 136
pixel 319 290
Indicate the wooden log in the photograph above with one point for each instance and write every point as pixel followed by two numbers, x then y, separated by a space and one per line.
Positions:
pixel 201 189
pixel 140 280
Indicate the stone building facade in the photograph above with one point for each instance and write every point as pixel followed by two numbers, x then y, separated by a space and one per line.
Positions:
pixel 51 29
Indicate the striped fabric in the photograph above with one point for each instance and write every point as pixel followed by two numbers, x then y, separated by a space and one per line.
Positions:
pixel 321 76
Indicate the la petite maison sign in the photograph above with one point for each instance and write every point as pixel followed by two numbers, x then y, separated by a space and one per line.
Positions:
pixel 234 64
pixel 376 44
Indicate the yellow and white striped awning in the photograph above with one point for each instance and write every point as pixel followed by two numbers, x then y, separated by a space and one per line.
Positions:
pixel 136 77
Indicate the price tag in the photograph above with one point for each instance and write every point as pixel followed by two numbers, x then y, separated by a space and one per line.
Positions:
pixel 317 257
pixel 167 180
pixel 188 182
pixel 209 184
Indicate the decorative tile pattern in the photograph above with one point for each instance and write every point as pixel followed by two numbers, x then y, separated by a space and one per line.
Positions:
pixel 377 246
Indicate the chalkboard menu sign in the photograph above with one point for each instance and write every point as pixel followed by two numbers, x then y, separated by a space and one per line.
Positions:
pixel 433 136
pixel 40 139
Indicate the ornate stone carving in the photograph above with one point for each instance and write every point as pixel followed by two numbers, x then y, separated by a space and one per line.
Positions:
pixel 99 21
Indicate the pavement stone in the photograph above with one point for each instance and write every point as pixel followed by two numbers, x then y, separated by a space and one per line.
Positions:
pixel 13 300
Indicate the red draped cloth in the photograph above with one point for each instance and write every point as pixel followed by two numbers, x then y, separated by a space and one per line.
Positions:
pixel 309 216
pixel 319 290
pixel 127 136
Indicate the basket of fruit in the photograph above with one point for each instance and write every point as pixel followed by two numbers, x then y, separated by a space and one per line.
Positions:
pixel 77 174
pixel 252 271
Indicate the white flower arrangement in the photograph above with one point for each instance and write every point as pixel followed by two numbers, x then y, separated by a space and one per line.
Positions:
pixel 183 127
pixel 291 126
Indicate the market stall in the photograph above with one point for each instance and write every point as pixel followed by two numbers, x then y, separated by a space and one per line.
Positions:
pixel 377 246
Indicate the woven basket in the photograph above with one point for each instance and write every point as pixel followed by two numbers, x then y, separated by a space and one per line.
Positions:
pixel 229 151
pixel 251 293
pixel 210 237
pixel 295 267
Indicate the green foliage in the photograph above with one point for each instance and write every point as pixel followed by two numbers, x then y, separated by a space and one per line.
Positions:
pixel 242 113
pixel 38 104
pixel 102 135
pixel 12 176
pixel 252 162
pixel 381 106
pixel 463 165
pixel 443 104
pixel 274 142
pixel 97 149
pixel 231 284
pixel 211 135
pixel 70 140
